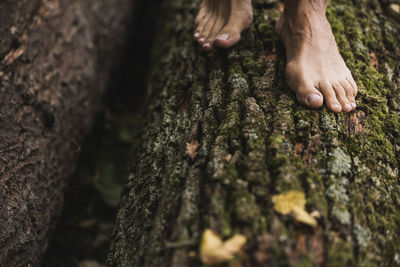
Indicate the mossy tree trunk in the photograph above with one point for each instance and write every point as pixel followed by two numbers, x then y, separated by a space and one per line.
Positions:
pixel 256 141
pixel 55 61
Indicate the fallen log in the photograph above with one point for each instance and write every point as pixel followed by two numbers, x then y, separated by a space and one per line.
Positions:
pixel 56 61
pixel 223 136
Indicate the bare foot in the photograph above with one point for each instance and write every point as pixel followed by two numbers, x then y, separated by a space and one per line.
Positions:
pixel 315 69
pixel 220 22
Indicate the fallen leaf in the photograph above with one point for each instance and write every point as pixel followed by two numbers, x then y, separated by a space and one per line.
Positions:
pixel 299 147
pixel 213 250
pixel 191 149
pixel 374 60
pixel 294 202
pixel 315 214
pixel 13 55
pixel 395 8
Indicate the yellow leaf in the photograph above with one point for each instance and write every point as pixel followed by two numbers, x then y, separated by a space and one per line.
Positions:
pixel 294 202
pixel 213 250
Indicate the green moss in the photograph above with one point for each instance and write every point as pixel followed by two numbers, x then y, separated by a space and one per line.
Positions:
pixel 336 191
pixel 305 261
pixel 267 31
pixel 250 124
pixel 238 82
pixel 326 123
pixel 339 252
pixel 218 208
pixel 339 163
pixel 275 141
pixel 361 234
pixel 315 192
pixel 341 214
pixel 246 209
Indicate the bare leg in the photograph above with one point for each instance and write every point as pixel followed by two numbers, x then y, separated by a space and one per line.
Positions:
pixel 220 22
pixel 315 70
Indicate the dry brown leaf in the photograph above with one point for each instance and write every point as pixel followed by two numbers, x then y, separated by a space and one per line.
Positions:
pixel 13 55
pixel 213 250
pixel 294 202
pixel 191 149
pixel 374 60
pixel 299 147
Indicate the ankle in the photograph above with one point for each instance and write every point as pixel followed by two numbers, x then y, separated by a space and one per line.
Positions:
pixel 306 5
pixel 305 17
pixel 299 9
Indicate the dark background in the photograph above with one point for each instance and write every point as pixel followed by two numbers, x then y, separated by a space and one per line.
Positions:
pixel 82 235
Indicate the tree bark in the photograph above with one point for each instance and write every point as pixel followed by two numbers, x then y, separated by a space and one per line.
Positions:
pixel 56 58
pixel 256 141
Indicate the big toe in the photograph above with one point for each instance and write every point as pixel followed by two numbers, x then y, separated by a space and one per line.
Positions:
pixel 310 98
pixel 227 38
pixel 230 34
pixel 314 100
pixel 308 95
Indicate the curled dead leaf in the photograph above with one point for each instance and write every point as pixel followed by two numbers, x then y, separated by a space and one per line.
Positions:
pixel 213 250
pixel 13 55
pixel 293 202
pixel 191 149
pixel 374 60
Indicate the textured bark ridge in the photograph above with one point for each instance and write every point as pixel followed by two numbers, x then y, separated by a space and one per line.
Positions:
pixel 255 141
pixel 55 57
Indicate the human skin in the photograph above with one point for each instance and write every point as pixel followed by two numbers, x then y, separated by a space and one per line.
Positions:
pixel 220 22
pixel 315 70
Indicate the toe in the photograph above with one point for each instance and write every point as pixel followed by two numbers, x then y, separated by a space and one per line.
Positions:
pixel 201 40
pixel 207 46
pixel 341 97
pixel 349 93
pixel 230 34
pixel 204 28
pixel 200 16
pixel 330 97
pixel 308 95
pixel 353 84
pixel 199 30
pixel 205 33
pixel 227 37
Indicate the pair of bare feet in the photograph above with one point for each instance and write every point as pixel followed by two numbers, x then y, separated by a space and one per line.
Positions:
pixel 315 69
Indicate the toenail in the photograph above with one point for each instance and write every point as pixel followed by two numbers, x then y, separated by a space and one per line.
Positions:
pixel 196 35
pixel 207 45
pixel 201 39
pixel 312 97
pixel 348 107
pixel 223 37
pixel 353 105
pixel 336 106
